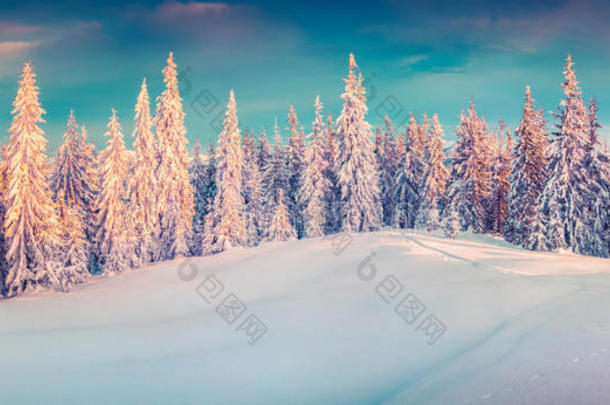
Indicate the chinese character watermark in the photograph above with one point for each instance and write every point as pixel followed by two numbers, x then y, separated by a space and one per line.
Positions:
pixel 228 305
pixel 205 104
pixel 409 308
pixel 339 241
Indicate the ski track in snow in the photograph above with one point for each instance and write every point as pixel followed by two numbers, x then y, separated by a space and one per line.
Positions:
pixel 524 316
pixel 441 251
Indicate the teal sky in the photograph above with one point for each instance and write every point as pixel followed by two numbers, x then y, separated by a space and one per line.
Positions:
pixel 422 56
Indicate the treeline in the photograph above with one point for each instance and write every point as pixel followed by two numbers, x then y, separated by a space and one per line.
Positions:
pixel 89 213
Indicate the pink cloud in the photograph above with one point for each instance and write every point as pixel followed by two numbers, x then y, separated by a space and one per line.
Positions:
pixel 16 46
pixel 11 28
pixel 195 9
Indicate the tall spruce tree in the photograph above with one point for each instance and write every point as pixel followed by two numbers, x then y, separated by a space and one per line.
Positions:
pixel 296 171
pixel 500 184
pixel 409 177
pixel 199 181
pixel 276 173
pixel 143 184
pixel 315 186
pixel 470 179
pixel 115 240
pixel 596 241
pixel 252 191
pixel 356 164
pixel 333 198
pixel 92 173
pixel 74 194
pixel 388 161
pixel 528 173
pixel 210 197
pixel 265 159
pixel 563 201
pixel 434 179
pixel 175 198
pixel 31 226
pixel 69 175
pixel 226 221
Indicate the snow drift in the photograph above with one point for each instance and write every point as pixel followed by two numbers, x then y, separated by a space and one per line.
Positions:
pixel 519 327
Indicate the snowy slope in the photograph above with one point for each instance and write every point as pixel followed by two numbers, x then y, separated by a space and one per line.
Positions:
pixel 521 327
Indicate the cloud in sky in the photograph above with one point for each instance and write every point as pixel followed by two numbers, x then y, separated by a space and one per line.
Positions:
pixel 410 60
pixel 13 28
pixel 12 53
pixel 173 11
pixel 16 40
pixel 210 23
pixel 470 27
pixel 17 46
pixel 215 20
pixel 431 55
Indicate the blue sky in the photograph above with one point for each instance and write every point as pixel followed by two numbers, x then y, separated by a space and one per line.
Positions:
pixel 423 56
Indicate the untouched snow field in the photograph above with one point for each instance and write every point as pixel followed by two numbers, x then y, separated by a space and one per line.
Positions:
pixel 519 327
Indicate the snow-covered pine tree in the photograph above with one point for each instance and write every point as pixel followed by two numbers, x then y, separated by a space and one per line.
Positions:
pixel 470 180
pixel 92 173
pixel 276 173
pixel 333 198
pixel 74 193
pixel 76 248
pixel 423 131
pixel 596 241
pixel 31 226
pixel 210 196
pixel 451 222
pixel 400 145
pixel 563 201
pixel 115 244
pixel 296 171
pixel 264 157
pixel 280 228
pixel 388 167
pixel 500 184
pixel 434 179
pixel 227 228
pixel 379 150
pixel 173 227
pixel 528 173
pixel 3 247
pixel 409 177
pixel 211 176
pixel 356 165
pixel 489 152
pixel 428 218
pixel 199 181
pixel 63 179
pixel 316 188
pixel 536 238
pixel 253 193
pixel 380 157
pixel 91 163
pixel 143 185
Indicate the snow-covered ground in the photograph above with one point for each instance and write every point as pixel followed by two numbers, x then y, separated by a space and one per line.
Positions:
pixel 519 327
